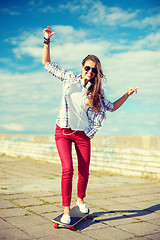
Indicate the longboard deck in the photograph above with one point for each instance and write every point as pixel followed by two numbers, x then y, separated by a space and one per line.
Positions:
pixel 76 217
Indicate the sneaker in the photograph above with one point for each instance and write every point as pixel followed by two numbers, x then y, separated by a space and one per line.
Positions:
pixel 66 219
pixel 82 207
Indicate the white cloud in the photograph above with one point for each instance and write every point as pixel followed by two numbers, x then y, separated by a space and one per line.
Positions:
pixel 28 87
pixel 68 33
pixel 111 16
pixel 151 41
pixel 28 44
pixel 35 52
pixel 153 21
pixel 13 127
pixel 98 13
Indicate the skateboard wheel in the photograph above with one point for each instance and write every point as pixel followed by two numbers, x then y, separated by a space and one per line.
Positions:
pixel 72 228
pixel 85 218
pixel 56 225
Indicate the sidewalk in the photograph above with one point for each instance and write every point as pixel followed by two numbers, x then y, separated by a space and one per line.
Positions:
pixel 122 208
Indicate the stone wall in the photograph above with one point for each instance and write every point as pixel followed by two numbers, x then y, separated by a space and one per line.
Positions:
pixel 130 156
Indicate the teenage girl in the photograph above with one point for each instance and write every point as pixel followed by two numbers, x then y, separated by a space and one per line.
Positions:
pixel 81 114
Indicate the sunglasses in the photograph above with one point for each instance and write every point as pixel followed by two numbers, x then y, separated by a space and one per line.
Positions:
pixel 87 68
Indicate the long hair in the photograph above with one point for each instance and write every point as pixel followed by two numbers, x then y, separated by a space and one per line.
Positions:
pixel 94 92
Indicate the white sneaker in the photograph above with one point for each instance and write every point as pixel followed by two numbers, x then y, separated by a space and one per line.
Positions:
pixel 66 219
pixel 82 207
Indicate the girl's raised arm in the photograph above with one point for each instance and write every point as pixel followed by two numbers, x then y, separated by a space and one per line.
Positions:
pixel 46 50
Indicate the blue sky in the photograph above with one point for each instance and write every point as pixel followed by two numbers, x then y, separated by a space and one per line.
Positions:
pixel 125 35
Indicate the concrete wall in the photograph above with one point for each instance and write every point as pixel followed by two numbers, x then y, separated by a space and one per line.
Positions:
pixel 131 156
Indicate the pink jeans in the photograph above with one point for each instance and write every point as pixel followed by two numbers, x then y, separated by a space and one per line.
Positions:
pixel 64 146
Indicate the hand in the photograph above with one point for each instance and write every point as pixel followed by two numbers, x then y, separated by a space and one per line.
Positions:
pixel 48 32
pixel 132 90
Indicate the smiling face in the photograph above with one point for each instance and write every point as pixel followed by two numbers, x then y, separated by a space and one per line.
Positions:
pixel 88 74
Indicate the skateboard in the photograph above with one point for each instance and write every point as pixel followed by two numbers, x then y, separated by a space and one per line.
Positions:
pixel 76 217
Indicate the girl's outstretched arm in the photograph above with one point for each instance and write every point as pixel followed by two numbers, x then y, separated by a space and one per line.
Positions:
pixel 121 100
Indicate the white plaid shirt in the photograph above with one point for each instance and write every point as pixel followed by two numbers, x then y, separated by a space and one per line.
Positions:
pixel 95 120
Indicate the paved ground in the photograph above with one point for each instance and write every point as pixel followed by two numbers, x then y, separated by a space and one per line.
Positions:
pixel 122 208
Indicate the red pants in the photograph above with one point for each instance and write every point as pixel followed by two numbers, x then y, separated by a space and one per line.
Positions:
pixel 64 146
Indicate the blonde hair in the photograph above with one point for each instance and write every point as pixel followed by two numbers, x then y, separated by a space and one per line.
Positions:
pixel 94 92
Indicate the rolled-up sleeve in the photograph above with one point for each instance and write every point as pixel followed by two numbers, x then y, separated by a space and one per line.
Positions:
pixel 95 122
pixel 108 106
pixel 58 72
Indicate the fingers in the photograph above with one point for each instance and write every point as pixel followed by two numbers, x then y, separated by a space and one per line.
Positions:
pixel 135 90
pixel 132 90
pixel 49 28
pixel 48 31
